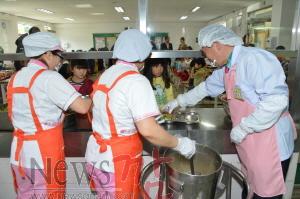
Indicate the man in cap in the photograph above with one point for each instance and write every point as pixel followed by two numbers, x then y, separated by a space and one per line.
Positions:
pixel 125 108
pixel 37 97
pixel 257 94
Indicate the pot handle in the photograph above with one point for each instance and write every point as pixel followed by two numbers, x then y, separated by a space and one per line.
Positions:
pixel 145 173
pixel 175 185
pixel 221 186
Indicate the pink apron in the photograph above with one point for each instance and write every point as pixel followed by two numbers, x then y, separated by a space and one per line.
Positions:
pixel 259 152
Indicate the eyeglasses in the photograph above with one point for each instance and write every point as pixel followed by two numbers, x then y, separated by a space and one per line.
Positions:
pixel 58 53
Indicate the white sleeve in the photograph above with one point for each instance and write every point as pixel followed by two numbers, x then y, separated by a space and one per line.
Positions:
pixel 213 86
pixel 265 74
pixel 60 91
pixel 215 83
pixel 141 99
pixel 193 96
pixel 266 114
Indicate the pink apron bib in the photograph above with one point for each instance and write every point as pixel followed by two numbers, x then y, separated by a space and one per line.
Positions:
pixel 259 153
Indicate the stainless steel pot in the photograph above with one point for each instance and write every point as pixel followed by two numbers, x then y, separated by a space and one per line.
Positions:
pixel 181 183
pixel 175 175
pixel 202 185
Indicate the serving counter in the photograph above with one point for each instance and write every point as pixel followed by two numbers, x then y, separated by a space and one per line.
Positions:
pixel 213 130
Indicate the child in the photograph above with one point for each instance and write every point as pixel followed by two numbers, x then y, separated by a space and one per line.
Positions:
pixel 79 80
pixel 83 85
pixel 198 71
pixel 157 72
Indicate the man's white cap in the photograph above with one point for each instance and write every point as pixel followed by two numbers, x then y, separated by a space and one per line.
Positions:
pixel 217 33
pixel 38 43
pixel 132 45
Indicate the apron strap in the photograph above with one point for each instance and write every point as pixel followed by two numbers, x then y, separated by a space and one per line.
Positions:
pixel 229 76
pixel 95 85
pixel 21 138
pixel 106 90
pixel 34 115
pixel 9 96
pixel 14 90
pixel 104 142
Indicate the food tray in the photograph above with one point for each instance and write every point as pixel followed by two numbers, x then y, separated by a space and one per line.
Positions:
pixel 189 117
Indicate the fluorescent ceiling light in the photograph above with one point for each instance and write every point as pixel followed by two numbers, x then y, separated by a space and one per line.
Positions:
pixel 195 9
pixel 10 0
pixel 83 6
pixel 126 18
pixel 69 19
pixel 44 10
pixel 119 9
pixel 97 13
pixel 183 17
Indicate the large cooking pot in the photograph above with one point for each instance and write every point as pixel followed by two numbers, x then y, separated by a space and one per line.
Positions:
pixel 206 164
pixel 176 175
pixel 181 183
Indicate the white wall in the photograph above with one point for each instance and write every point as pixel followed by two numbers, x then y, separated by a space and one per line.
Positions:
pixel 295 43
pixel 9 30
pixel 189 30
pixel 282 21
pixel 80 36
pixel 237 21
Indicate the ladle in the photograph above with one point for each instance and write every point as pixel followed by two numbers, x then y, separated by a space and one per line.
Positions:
pixel 188 128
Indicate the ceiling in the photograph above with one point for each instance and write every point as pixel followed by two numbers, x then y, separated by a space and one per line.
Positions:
pixel 159 10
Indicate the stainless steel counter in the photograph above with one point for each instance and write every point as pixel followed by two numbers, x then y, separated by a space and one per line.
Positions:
pixel 212 130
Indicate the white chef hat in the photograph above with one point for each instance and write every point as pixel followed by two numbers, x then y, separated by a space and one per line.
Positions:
pixel 132 45
pixel 38 43
pixel 217 33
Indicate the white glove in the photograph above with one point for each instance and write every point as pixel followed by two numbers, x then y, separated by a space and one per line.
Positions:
pixel 186 147
pixel 238 134
pixel 170 106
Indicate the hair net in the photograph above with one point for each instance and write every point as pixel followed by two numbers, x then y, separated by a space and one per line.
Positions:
pixel 217 33
pixel 132 45
pixel 38 43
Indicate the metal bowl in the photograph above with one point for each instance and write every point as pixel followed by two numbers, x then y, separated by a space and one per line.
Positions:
pixel 191 117
pixel 188 117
